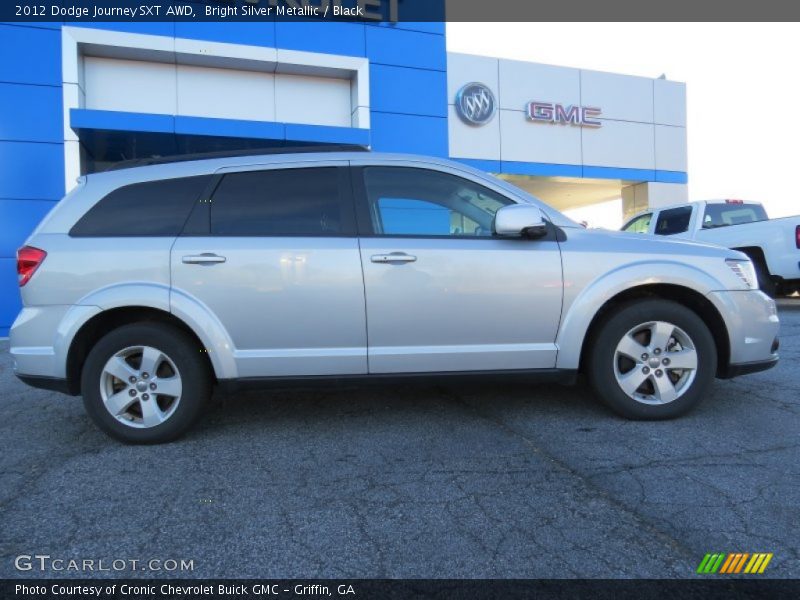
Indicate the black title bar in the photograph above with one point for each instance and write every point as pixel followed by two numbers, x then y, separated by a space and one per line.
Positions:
pixel 388 589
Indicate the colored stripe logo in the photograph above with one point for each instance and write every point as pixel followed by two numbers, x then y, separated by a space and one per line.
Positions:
pixel 734 562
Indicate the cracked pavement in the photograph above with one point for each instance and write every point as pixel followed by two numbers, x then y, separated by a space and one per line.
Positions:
pixel 418 481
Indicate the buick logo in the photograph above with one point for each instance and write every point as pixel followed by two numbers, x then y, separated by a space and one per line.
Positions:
pixel 475 104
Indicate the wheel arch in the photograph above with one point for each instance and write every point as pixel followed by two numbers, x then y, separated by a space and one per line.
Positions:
pixel 103 322
pixel 755 253
pixel 682 295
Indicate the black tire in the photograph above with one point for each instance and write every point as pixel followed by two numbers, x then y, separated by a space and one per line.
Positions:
pixel 192 368
pixel 765 281
pixel 602 351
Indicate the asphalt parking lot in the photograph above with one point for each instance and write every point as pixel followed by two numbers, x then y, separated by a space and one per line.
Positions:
pixel 417 481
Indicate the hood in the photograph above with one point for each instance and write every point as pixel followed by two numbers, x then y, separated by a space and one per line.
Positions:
pixel 654 244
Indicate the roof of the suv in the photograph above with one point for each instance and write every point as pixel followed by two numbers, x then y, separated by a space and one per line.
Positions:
pixel 161 160
pixel 193 166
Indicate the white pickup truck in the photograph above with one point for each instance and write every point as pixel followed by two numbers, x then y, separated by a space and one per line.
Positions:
pixel 772 244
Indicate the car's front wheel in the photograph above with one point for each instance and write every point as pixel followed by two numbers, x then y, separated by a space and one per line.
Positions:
pixel 653 359
pixel 145 383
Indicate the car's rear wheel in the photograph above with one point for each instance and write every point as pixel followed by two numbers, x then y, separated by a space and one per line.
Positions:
pixel 145 383
pixel 653 359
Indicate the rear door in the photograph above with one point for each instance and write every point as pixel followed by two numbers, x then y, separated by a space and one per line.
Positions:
pixel 443 293
pixel 272 254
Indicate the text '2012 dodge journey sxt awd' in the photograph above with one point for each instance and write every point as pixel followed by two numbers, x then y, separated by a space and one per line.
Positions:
pixel 145 287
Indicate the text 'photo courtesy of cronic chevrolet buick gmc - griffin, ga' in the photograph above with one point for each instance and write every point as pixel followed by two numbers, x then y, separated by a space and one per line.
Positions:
pixel 147 286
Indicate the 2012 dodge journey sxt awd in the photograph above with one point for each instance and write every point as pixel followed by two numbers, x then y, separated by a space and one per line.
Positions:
pixel 145 287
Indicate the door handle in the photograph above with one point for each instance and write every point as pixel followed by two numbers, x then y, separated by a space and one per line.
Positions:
pixel 393 257
pixel 207 258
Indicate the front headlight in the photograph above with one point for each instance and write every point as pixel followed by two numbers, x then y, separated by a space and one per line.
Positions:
pixel 745 271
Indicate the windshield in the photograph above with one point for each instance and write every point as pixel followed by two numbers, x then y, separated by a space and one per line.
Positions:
pixel 723 215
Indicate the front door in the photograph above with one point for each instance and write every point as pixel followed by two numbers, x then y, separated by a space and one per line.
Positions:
pixel 273 256
pixel 442 292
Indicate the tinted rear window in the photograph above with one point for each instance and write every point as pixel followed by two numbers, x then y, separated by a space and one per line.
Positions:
pixel 281 202
pixel 153 208
pixel 722 215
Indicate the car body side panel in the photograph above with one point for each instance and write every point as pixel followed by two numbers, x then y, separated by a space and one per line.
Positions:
pixel 77 268
pixel 462 305
pixel 217 343
pixel 600 265
pixel 288 306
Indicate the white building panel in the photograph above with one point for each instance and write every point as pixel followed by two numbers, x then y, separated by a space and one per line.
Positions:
pixel 330 104
pixel 226 93
pixel 671 148
pixel 666 194
pixel 621 97
pixel 130 85
pixel 652 194
pixel 522 82
pixel 465 68
pixel 669 102
pixel 620 144
pixel 469 141
pixel 525 141
pixel 630 106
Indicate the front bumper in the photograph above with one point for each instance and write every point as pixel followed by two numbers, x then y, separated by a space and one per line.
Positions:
pixel 734 370
pixel 751 318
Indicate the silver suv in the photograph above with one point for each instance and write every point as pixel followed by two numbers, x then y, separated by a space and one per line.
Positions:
pixel 145 287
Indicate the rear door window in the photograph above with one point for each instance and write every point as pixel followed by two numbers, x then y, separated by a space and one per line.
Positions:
pixel 673 220
pixel 148 209
pixel 283 202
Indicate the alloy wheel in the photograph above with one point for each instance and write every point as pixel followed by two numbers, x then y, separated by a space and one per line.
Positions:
pixel 140 386
pixel 655 362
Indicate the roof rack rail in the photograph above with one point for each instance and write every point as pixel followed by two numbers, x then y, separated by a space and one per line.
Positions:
pixel 162 160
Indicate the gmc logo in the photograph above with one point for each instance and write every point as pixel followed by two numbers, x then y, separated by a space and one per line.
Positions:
pixel 548 112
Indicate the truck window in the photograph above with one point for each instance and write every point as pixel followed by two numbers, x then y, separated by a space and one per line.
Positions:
pixel 722 215
pixel 639 225
pixel 673 220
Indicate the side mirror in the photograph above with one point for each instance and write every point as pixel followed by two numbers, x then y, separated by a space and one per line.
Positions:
pixel 520 220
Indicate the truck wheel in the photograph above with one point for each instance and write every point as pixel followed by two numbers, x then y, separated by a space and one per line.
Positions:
pixel 145 383
pixel 765 282
pixel 653 359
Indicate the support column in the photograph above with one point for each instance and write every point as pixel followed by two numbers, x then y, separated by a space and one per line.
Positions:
pixel 652 194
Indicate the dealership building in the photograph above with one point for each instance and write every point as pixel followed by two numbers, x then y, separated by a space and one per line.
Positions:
pixel 78 97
